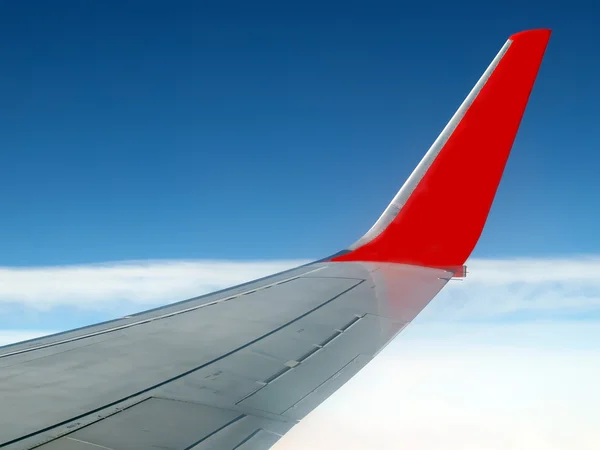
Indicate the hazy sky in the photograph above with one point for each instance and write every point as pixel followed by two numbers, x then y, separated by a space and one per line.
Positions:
pixel 153 151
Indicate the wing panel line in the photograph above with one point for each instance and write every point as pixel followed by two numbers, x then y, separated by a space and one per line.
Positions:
pixel 152 319
pixel 177 377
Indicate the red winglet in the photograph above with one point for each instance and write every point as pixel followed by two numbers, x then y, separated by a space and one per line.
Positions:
pixel 423 225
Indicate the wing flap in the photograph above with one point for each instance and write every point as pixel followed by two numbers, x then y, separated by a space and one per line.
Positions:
pixel 363 337
pixel 174 425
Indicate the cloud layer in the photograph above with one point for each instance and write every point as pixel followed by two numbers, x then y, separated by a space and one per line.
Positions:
pixel 522 289
pixel 494 287
pixel 12 336
pixel 99 286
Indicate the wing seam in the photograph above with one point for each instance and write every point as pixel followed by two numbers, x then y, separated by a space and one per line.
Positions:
pixel 187 372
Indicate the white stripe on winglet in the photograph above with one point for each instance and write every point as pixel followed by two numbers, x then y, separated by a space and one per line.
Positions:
pixel 409 186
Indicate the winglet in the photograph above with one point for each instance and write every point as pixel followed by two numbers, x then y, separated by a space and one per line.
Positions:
pixel 423 225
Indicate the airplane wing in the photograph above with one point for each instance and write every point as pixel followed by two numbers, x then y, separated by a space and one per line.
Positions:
pixel 236 369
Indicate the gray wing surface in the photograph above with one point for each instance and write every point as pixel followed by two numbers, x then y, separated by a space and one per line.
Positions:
pixel 230 370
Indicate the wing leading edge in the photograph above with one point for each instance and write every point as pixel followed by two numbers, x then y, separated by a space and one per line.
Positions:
pixel 238 368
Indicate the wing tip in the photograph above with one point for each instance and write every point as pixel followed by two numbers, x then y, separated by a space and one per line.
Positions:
pixel 534 33
pixel 418 231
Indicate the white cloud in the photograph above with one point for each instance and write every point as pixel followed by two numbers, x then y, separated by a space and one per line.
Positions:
pixel 11 336
pixel 493 287
pixel 538 287
pixel 99 286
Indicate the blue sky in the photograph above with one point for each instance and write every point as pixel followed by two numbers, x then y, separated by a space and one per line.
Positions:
pixel 135 130
pixel 154 151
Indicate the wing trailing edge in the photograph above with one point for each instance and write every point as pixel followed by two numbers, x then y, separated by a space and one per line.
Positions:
pixel 422 225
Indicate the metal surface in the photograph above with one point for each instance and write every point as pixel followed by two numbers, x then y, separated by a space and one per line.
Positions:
pixel 235 369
